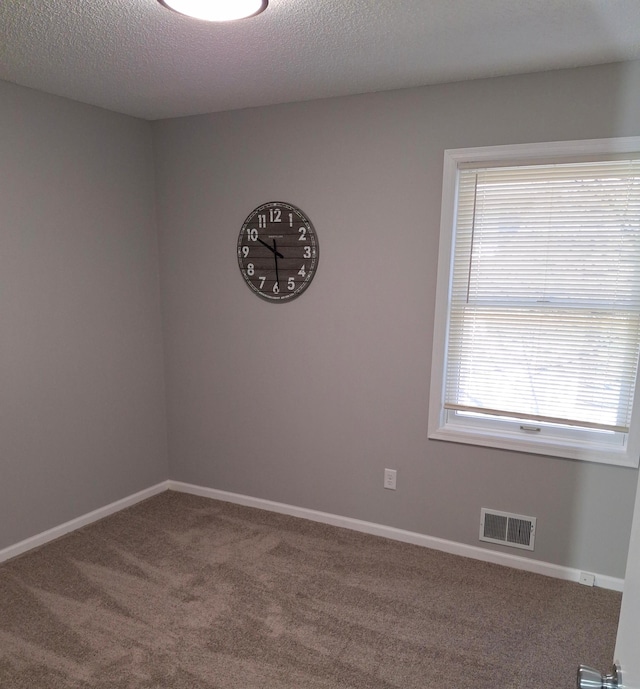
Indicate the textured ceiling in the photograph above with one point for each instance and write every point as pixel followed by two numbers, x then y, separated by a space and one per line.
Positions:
pixel 139 58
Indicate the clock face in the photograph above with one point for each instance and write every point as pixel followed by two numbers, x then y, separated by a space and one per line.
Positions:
pixel 278 251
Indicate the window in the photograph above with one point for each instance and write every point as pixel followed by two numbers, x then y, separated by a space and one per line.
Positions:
pixel 537 333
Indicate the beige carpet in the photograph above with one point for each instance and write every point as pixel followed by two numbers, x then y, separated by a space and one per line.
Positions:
pixel 186 592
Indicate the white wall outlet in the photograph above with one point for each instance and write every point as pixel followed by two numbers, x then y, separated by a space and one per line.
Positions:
pixel 390 479
pixel 587 579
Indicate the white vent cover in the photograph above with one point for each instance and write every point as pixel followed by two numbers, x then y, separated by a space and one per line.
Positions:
pixel 514 530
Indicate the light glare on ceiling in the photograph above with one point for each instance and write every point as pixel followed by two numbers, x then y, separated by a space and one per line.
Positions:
pixel 217 10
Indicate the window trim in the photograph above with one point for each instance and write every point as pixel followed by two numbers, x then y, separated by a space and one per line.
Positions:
pixel 439 428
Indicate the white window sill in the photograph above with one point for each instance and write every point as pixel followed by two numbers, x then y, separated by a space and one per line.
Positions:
pixel 616 456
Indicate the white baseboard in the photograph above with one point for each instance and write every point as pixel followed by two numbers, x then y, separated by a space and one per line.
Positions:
pixel 475 552
pixel 79 522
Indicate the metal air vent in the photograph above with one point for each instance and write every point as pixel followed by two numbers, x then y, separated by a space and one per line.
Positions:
pixel 504 528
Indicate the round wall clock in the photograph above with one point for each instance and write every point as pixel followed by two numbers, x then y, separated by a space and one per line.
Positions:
pixel 278 251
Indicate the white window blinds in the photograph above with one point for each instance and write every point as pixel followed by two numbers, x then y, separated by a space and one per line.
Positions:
pixel 544 318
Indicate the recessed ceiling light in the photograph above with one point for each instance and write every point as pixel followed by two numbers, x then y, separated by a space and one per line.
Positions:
pixel 217 10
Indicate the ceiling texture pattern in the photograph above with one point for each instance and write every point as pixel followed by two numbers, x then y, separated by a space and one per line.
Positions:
pixel 139 58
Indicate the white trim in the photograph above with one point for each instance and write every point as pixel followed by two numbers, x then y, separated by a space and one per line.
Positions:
pixel 506 441
pixel 79 522
pixel 441 544
pixel 474 552
pixel 548 150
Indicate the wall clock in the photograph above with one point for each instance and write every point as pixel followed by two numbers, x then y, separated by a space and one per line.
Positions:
pixel 278 251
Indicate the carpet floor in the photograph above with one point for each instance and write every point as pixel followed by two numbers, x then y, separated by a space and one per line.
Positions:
pixel 183 592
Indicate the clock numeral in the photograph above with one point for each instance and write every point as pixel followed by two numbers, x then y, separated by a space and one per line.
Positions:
pixel 275 214
pixel 262 281
pixel 262 221
pixel 276 288
pixel 307 252
pixel 290 219
pixel 303 234
pixel 302 272
pixel 250 269
pixel 245 251
pixel 291 284
pixel 252 234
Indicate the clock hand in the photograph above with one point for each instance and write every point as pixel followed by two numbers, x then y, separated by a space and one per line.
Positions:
pixel 270 249
pixel 276 253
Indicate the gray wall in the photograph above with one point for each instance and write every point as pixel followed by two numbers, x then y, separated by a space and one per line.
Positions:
pixel 303 403
pixel 82 419
pixel 306 402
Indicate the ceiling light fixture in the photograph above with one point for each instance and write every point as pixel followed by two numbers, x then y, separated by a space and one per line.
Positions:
pixel 217 10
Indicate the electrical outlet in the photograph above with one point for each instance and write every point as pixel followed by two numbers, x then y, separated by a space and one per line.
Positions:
pixel 390 479
pixel 587 579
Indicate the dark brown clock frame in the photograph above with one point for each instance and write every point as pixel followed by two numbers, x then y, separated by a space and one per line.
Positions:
pixel 278 251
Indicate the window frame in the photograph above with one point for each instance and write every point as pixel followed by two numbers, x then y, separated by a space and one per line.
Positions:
pixel 442 423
